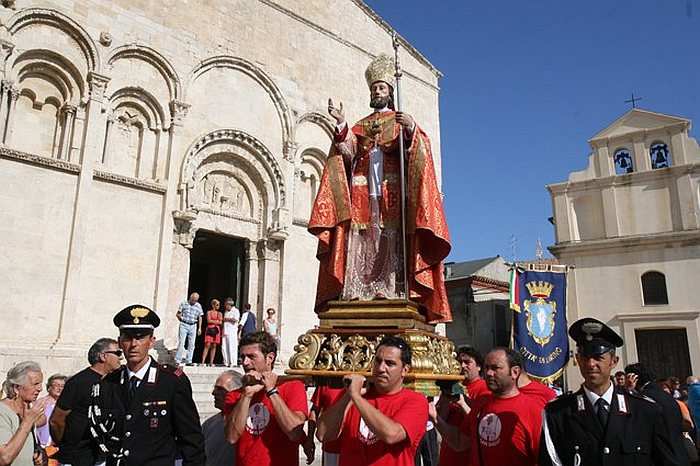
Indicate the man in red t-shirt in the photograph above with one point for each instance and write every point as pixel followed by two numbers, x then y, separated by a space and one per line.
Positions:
pixel 503 427
pixel 322 399
pixel 264 420
pixel 451 411
pixel 537 391
pixel 381 425
pixel 471 361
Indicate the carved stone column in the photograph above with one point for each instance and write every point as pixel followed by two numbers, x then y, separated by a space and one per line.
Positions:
pixel 13 95
pixel 69 329
pixel 68 117
pixel 253 292
pixel 107 151
pixel 6 85
pixel 269 260
pixel 176 275
pixel 172 275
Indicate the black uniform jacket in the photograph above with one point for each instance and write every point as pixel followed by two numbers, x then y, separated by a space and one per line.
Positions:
pixel 635 435
pixel 672 416
pixel 159 420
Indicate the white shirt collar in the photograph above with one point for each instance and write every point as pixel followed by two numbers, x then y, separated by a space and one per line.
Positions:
pixel 380 110
pixel 141 373
pixel 607 396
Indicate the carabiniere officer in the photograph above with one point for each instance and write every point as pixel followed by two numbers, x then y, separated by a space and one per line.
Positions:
pixel 601 425
pixel 144 413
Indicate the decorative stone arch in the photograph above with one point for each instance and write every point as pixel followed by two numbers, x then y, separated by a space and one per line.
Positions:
pixel 46 16
pixel 239 155
pixel 258 75
pixel 313 157
pixel 145 101
pixel 307 177
pixel 54 68
pixel 39 81
pixel 318 119
pixel 133 130
pixel 155 59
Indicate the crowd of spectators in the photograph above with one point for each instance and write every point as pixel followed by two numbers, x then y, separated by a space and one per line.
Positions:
pixel 497 414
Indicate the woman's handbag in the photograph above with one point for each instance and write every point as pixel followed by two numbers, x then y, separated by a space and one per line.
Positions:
pixel 212 331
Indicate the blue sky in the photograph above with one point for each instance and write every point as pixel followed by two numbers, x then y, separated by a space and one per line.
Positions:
pixel 526 84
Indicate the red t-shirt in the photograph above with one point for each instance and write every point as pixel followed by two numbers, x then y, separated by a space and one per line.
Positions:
pixel 455 417
pixel 476 388
pixel 504 431
pixel 263 443
pixel 324 397
pixel 449 457
pixel 360 447
pixel 539 392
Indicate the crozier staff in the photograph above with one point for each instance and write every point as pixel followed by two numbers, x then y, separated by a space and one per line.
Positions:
pixel 357 212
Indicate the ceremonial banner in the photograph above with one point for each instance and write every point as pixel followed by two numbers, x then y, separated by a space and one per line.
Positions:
pixel 539 321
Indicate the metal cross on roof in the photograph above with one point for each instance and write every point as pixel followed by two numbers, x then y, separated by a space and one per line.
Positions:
pixel 633 100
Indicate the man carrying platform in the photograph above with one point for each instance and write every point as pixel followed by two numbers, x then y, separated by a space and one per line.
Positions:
pixel 263 419
pixel 380 424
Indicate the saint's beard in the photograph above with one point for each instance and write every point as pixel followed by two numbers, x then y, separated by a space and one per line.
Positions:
pixel 379 103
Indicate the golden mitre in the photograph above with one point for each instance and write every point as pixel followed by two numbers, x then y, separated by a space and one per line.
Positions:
pixel 382 68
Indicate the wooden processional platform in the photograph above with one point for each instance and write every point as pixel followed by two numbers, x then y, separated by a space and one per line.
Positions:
pixel 349 332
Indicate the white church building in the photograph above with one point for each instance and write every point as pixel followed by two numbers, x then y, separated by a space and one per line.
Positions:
pixel 630 226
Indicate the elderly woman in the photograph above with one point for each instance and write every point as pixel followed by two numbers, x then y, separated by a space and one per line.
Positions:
pixel 54 387
pixel 19 412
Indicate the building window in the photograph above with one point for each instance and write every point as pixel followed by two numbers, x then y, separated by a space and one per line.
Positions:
pixel 654 288
pixel 623 162
pixel 659 156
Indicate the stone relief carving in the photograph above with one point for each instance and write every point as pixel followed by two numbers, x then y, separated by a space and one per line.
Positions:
pixel 184 229
pixel 105 38
pixel 98 84
pixel 6 48
pixel 269 249
pixel 178 111
pixel 221 192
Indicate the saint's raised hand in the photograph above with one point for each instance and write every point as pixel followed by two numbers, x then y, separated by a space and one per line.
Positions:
pixel 336 112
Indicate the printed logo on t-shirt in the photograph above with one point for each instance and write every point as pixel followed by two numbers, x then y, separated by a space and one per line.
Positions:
pixel 366 436
pixel 258 419
pixel 490 430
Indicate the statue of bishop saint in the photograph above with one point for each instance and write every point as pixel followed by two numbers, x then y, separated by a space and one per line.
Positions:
pixel 357 213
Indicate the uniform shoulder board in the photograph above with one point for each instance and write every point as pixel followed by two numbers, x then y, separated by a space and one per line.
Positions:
pixel 177 371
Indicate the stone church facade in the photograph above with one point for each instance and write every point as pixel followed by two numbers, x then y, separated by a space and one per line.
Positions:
pixel 630 225
pixel 150 149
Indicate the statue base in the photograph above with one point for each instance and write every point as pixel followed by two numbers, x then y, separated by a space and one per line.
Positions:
pixel 348 335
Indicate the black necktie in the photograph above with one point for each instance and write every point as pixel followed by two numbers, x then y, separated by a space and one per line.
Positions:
pixel 602 412
pixel 133 385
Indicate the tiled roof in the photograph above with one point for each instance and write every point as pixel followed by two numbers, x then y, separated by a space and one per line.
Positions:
pixel 467 268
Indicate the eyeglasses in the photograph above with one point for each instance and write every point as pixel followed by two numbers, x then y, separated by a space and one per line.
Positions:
pixel 118 353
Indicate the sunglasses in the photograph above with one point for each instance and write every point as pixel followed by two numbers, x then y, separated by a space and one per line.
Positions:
pixel 118 353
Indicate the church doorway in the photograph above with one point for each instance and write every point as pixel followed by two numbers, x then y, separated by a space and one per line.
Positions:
pixel 664 352
pixel 217 271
